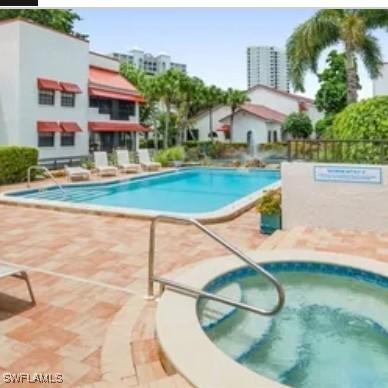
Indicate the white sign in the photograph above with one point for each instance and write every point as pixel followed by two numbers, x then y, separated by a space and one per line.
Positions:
pixel 348 174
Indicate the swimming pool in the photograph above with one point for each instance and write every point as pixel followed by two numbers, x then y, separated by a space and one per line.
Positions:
pixel 187 191
pixel 332 331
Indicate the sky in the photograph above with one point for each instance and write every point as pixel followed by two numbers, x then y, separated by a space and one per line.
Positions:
pixel 211 41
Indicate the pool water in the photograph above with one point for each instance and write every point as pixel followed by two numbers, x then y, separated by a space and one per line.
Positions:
pixel 332 331
pixel 183 191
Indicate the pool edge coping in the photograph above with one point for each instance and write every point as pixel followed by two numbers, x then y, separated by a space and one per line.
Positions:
pixel 186 345
pixel 223 214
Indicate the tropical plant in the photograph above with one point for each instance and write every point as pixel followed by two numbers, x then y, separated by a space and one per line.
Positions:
pixel 234 99
pixel 169 155
pixel 298 125
pixel 212 96
pixel 323 125
pixel 270 203
pixel 58 19
pixel 366 120
pixel 349 27
pixel 331 96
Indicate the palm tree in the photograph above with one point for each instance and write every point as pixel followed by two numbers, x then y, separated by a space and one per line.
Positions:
pixel 235 98
pixel 349 27
pixel 167 85
pixel 212 96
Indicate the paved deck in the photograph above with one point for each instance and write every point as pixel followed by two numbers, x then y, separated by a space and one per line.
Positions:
pixel 91 322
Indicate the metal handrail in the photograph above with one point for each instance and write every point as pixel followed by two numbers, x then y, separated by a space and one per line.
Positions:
pixel 47 171
pixel 191 291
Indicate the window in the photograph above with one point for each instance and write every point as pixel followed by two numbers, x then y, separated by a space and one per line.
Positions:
pixel 67 139
pixel 68 99
pixel 46 97
pixel 46 139
pixel 269 137
pixel 275 136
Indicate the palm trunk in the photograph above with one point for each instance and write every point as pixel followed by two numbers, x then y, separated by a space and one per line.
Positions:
pixel 351 76
pixel 211 124
pixel 231 125
pixel 167 127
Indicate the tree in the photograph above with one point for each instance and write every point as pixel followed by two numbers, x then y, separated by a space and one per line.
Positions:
pixel 212 96
pixel 298 125
pixel 349 27
pixel 58 19
pixel 234 98
pixel 331 96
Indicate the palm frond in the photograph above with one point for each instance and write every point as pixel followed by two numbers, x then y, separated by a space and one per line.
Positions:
pixel 374 18
pixel 370 53
pixel 307 42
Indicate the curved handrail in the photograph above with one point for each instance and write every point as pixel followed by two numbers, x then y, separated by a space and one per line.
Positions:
pixel 47 171
pixel 196 292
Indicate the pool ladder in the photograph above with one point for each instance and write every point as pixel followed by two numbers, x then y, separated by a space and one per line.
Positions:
pixel 49 174
pixel 194 292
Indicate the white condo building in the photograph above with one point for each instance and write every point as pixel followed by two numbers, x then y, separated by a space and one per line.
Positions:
pixel 58 96
pixel 149 63
pixel 267 65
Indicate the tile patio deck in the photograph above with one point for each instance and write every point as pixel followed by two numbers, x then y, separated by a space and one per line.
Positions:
pixel 88 272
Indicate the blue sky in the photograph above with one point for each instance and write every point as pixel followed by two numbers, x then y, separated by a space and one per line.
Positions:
pixel 212 42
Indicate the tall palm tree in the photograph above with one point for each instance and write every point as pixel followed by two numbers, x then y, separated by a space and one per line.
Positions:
pixel 349 27
pixel 212 96
pixel 167 85
pixel 234 98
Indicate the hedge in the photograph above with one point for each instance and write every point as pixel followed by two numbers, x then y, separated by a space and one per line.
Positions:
pixel 14 162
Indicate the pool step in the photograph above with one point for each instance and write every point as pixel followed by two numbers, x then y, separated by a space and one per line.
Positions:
pixel 212 312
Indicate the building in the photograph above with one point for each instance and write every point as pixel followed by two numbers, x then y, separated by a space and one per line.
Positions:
pixel 267 66
pixel 256 122
pixel 61 98
pixel 149 63
pixel 380 84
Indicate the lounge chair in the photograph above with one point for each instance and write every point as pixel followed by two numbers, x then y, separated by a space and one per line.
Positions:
pixel 102 166
pixel 146 162
pixel 77 173
pixel 124 164
pixel 7 270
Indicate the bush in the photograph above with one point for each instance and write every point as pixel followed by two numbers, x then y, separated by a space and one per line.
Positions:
pixel 215 149
pixel 169 155
pixel 298 125
pixel 14 162
pixel 149 143
pixel 270 203
pixel 323 126
pixel 365 120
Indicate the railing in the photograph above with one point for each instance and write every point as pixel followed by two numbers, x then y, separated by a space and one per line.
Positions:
pixel 339 151
pixel 191 291
pixel 46 170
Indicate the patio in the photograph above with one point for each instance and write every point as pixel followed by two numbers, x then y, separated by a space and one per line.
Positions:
pixel 91 322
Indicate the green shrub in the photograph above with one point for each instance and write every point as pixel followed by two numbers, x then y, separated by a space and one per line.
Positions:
pixel 323 126
pixel 365 120
pixel 298 125
pixel 270 203
pixel 169 155
pixel 14 162
pixel 214 149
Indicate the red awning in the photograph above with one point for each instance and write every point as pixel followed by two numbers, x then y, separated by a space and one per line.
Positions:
pixel 224 128
pixel 70 88
pixel 70 126
pixel 48 126
pixel 98 126
pixel 95 92
pixel 48 84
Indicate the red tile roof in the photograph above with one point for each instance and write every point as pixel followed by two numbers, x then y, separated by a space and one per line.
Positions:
pixel 111 84
pixel 262 112
pixel 287 94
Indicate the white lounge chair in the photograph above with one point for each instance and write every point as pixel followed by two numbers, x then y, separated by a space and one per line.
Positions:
pixel 146 162
pixel 124 164
pixel 7 270
pixel 77 173
pixel 102 166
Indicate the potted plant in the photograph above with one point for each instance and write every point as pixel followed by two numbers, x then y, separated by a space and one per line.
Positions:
pixel 269 207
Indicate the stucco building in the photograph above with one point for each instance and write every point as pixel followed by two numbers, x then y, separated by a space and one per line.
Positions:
pixel 258 121
pixel 58 96
pixel 380 84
